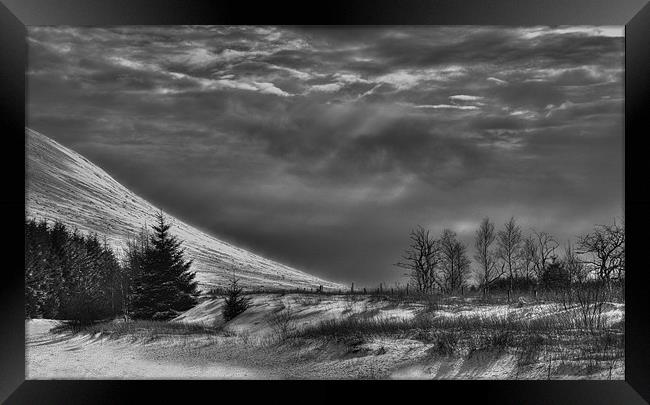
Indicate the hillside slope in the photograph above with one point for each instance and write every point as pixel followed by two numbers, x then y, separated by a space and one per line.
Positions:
pixel 61 184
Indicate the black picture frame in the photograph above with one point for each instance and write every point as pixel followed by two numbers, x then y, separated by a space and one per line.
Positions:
pixel 634 14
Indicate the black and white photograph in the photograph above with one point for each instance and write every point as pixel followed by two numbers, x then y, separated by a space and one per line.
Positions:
pixel 325 202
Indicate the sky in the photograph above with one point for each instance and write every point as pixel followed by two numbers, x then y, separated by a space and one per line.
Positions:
pixel 322 147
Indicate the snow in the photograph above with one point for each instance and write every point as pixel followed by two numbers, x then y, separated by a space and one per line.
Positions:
pixel 306 310
pixel 611 312
pixel 50 356
pixel 248 346
pixel 311 309
pixel 63 185
pixel 484 366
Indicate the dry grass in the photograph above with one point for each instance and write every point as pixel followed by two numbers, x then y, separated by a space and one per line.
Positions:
pixel 558 323
pixel 562 342
pixel 282 323
pixel 560 338
pixel 138 328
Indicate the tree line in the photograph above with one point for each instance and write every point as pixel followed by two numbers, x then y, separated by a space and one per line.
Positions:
pixel 81 279
pixel 508 259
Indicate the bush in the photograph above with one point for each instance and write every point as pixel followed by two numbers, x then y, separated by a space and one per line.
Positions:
pixel 499 340
pixel 530 349
pixel 164 315
pixel 432 303
pixel 282 322
pixel 446 343
pixel 83 309
pixel 555 276
pixel 520 284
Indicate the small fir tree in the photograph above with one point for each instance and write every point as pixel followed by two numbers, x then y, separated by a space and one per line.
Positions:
pixel 162 284
pixel 235 302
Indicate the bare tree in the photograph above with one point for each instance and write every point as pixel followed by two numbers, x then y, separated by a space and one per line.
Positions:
pixel 485 256
pixel 545 246
pixel 573 265
pixel 455 263
pixel 528 257
pixel 509 248
pixel 422 259
pixel 605 251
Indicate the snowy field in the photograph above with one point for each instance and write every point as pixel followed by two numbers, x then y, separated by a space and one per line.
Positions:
pixel 278 337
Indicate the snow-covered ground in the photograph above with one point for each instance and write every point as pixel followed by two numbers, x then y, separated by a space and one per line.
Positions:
pixel 248 346
pixel 311 309
pixel 63 185
pixel 50 356
pixel 305 309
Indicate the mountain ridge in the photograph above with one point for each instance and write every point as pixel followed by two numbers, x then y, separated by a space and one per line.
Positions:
pixel 61 184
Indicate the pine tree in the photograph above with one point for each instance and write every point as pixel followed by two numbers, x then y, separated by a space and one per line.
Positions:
pixel 162 284
pixel 88 285
pixel 37 276
pixel 59 267
pixel 112 278
pixel 68 275
pixel 132 281
pixel 235 302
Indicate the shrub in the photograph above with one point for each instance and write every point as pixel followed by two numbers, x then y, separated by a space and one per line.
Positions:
pixel 164 315
pixel 555 276
pixel 446 343
pixel 531 346
pixel 83 309
pixel 432 303
pixel 499 340
pixel 282 322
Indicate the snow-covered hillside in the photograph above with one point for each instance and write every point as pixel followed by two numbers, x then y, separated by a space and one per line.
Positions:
pixel 61 184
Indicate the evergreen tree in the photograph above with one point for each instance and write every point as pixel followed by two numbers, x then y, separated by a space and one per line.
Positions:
pixel 59 267
pixel 132 281
pixel 162 284
pixel 112 280
pixel 235 302
pixel 555 276
pixel 88 289
pixel 37 278
pixel 68 275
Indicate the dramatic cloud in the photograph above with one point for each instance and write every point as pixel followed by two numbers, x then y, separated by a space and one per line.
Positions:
pixel 323 147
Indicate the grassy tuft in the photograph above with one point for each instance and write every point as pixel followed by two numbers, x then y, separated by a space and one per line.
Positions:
pixel 137 328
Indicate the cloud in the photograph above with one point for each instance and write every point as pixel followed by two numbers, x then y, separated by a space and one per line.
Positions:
pixel 449 106
pixel 323 146
pixel 497 81
pixel 462 97
pixel 328 88
pixel 533 94
pixel 406 79
pixel 596 31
